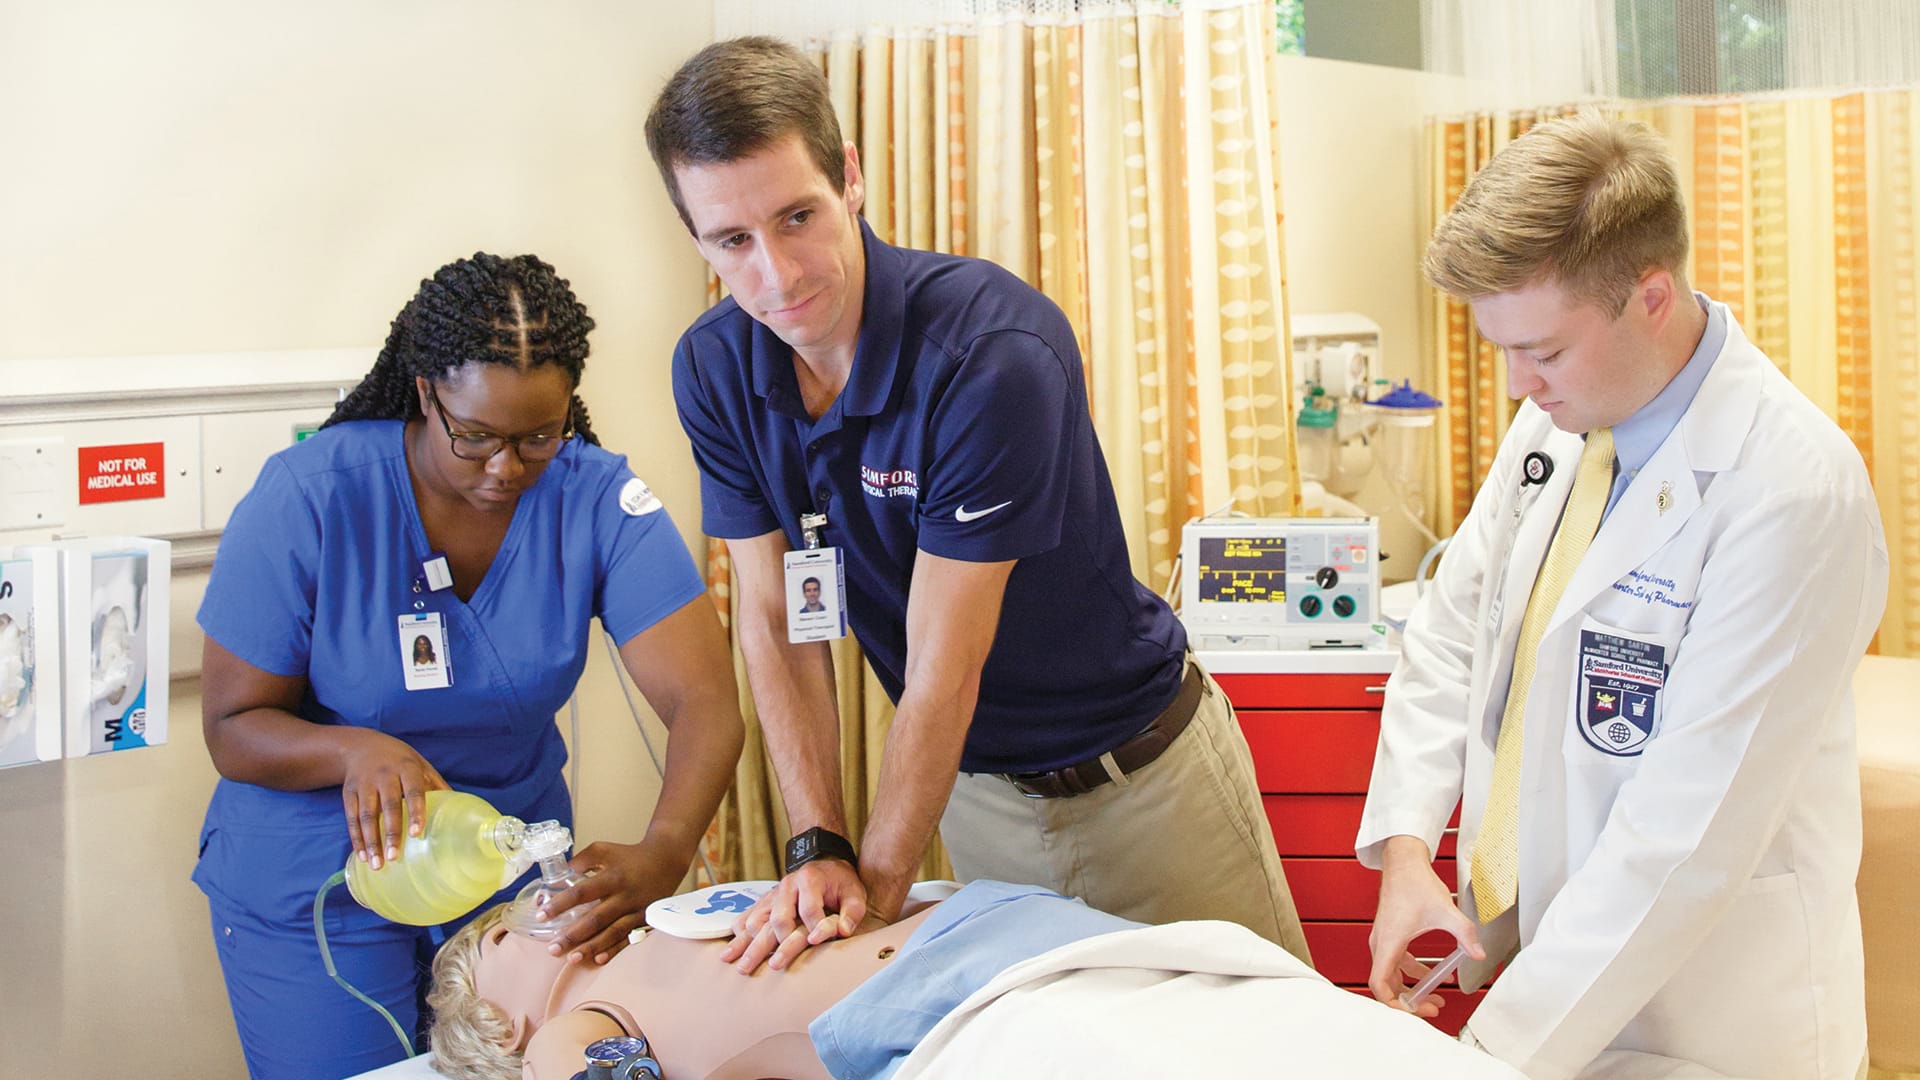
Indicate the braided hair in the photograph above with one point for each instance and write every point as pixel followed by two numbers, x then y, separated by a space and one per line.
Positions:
pixel 480 310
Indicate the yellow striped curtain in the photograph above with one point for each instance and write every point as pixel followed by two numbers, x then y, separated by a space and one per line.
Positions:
pixel 1124 161
pixel 1804 224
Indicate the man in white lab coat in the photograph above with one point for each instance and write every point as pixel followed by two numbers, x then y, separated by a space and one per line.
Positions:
pixel 1633 668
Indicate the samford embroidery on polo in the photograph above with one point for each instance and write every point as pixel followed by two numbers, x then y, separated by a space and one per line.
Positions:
pixel 887 483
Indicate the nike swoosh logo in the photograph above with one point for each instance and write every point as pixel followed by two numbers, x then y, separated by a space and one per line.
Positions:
pixel 963 515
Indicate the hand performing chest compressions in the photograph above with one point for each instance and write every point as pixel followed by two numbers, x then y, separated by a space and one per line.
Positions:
pixel 911 430
pixel 1634 668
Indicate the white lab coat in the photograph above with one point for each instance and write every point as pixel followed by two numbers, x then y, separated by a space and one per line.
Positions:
pixel 1686 884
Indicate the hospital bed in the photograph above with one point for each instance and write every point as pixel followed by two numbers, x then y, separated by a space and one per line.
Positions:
pixel 1325 1022
pixel 1187 999
pixel 1192 999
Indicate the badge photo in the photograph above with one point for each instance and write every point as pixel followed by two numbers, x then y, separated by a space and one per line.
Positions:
pixel 424 663
pixel 816 595
pixel 1620 683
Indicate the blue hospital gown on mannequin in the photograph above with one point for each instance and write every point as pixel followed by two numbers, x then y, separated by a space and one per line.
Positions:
pixel 974 935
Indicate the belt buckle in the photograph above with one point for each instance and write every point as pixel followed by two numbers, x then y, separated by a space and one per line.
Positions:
pixel 1019 782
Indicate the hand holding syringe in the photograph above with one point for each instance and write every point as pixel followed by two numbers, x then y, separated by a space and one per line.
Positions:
pixel 1412 998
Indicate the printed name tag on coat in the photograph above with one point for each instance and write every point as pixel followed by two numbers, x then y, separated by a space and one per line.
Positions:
pixel 1620 683
pixel 424 662
pixel 816 595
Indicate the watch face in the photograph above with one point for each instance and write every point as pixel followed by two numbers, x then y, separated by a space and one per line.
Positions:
pixel 817 843
pixel 801 849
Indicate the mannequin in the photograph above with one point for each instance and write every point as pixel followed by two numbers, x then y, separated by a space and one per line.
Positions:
pixel 503 1007
pixel 943 992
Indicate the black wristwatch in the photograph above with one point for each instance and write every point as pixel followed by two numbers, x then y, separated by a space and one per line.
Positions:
pixel 818 843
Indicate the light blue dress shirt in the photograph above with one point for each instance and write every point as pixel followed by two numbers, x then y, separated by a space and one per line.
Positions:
pixel 1636 438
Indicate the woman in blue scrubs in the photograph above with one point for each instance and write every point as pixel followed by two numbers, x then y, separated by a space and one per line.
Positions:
pixel 458 494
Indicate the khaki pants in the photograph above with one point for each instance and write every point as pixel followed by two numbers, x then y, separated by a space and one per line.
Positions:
pixel 1183 838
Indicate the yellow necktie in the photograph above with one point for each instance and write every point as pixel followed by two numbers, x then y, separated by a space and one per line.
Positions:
pixel 1496 854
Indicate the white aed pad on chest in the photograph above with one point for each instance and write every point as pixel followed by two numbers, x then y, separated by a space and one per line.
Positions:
pixel 706 913
pixel 423 652
pixel 816 595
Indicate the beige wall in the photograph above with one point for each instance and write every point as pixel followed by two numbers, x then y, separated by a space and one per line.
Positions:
pixel 1351 176
pixel 205 176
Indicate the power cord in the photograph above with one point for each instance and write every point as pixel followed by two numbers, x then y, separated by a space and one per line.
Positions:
pixel 620 673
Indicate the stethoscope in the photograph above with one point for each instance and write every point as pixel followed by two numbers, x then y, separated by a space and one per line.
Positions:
pixel 1536 469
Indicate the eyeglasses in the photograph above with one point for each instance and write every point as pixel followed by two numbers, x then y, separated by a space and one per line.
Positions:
pixel 482 445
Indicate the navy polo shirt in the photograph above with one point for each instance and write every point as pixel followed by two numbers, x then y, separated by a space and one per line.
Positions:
pixel 963 431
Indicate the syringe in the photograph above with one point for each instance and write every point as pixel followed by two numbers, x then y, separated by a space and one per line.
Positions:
pixel 1411 999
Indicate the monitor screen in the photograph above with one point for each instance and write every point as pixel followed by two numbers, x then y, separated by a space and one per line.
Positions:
pixel 1243 569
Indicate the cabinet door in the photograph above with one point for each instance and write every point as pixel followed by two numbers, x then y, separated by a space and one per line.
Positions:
pixel 1319 751
pixel 1326 825
pixel 1333 691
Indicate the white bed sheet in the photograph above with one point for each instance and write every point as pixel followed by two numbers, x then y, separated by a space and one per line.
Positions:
pixel 1203 999
pixel 1187 999
pixel 414 1068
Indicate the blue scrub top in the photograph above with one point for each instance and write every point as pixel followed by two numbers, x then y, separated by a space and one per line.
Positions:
pixel 963 431
pixel 316 565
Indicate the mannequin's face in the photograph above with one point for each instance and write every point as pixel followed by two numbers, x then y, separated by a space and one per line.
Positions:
pixel 516 974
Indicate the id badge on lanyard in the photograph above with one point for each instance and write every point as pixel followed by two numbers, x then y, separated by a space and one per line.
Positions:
pixel 425 662
pixel 816 588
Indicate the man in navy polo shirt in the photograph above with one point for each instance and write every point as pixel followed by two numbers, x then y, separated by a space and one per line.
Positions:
pixel 931 409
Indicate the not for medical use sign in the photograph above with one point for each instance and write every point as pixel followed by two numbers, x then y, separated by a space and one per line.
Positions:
pixel 123 473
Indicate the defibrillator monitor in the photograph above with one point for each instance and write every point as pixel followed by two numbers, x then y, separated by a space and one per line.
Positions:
pixel 1280 583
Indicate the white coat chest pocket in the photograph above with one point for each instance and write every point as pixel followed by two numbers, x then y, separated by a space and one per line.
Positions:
pixel 1620 687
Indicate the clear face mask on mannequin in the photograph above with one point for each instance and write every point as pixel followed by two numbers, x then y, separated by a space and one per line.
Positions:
pixel 547 844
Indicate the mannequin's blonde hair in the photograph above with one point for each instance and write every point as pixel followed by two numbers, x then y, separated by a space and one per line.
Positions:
pixel 1587 202
pixel 471 1037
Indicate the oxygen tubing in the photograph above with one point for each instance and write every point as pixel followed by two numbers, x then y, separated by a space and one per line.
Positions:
pixel 320 935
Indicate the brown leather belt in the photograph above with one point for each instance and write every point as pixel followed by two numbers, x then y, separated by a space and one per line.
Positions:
pixel 1130 756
